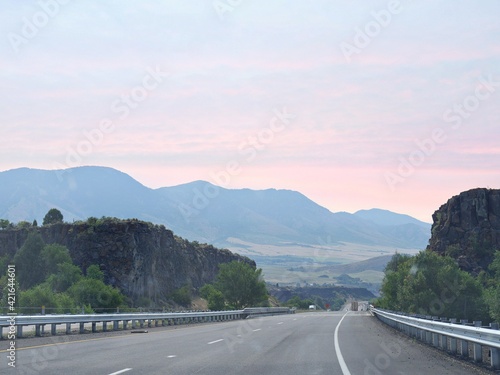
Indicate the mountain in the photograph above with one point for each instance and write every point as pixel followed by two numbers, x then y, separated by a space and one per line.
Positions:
pixel 201 211
pixel 385 217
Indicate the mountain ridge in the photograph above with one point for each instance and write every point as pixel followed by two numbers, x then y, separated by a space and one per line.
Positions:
pixel 198 210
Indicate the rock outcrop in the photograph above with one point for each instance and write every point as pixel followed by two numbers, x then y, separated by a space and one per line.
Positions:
pixel 141 259
pixel 467 228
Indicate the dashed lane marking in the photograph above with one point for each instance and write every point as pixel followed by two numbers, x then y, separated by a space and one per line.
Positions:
pixel 213 342
pixel 121 371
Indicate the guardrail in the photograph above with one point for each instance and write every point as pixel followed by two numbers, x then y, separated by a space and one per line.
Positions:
pixel 15 323
pixel 447 335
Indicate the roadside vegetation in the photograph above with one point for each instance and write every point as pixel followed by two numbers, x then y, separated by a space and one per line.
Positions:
pixel 47 277
pixel 430 284
pixel 237 285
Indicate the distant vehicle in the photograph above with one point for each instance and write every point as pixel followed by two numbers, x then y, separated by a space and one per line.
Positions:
pixel 312 307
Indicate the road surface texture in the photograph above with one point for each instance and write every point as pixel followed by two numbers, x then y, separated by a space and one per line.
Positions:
pixel 311 343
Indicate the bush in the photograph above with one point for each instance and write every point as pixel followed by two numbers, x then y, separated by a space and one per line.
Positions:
pixel 182 296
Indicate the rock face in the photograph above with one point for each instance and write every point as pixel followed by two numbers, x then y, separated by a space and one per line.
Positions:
pixel 141 259
pixel 467 228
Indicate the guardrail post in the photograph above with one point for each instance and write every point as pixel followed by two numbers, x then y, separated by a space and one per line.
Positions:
pixel 435 336
pixel 94 327
pixel 53 329
pixel 68 328
pixel 141 323
pixel 478 349
pixel 435 340
pixel 37 330
pixel 495 353
pixel 464 345
pixel 444 338
pixel 82 327
pixel 104 326
pixel 115 325
pixel 125 324
pixel 428 337
pixel 19 331
pixel 453 341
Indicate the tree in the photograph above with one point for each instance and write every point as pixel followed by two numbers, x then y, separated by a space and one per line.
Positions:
pixel 214 297
pixel 54 255
pixel 52 217
pixel 42 295
pixel 241 285
pixel 23 224
pixel 492 294
pixel 95 293
pixel 28 261
pixel 94 272
pixel 35 223
pixel 67 274
pixel 4 224
pixel 431 284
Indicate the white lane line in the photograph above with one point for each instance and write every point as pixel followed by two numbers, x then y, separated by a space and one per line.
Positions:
pixel 121 371
pixel 257 330
pixel 213 342
pixel 280 323
pixel 342 363
pixel 171 356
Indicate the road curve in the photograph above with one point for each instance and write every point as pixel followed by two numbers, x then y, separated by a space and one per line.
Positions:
pixel 309 343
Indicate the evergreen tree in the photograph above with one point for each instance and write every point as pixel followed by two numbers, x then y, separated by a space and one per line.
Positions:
pixel 28 261
pixel 52 217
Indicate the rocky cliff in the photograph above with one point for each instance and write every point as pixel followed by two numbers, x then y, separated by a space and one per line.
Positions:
pixel 467 228
pixel 141 259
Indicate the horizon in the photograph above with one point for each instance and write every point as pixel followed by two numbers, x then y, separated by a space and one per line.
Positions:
pixel 386 104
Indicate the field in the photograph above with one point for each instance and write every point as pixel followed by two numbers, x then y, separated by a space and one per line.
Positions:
pixel 295 263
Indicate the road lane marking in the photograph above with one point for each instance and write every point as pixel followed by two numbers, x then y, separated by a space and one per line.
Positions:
pixel 342 363
pixel 171 356
pixel 280 323
pixel 121 371
pixel 213 342
pixel 257 330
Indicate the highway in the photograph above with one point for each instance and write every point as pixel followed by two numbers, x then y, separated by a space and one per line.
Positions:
pixel 309 343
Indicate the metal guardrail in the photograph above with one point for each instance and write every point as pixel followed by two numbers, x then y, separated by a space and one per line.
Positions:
pixel 15 323
pixel 446 335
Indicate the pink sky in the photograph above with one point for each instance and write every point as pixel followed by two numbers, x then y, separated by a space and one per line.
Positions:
pixel 171 93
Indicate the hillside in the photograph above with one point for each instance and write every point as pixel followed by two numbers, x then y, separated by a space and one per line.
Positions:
pixel 373 264
pixel 200 211
pixel 145 261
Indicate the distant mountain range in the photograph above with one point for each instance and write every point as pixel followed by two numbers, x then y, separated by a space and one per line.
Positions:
pixel 201 211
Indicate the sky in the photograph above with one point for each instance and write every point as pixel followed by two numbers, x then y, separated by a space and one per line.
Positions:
pixel 387 104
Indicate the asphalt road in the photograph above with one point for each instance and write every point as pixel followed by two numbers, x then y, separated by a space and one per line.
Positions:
pixel 309 343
